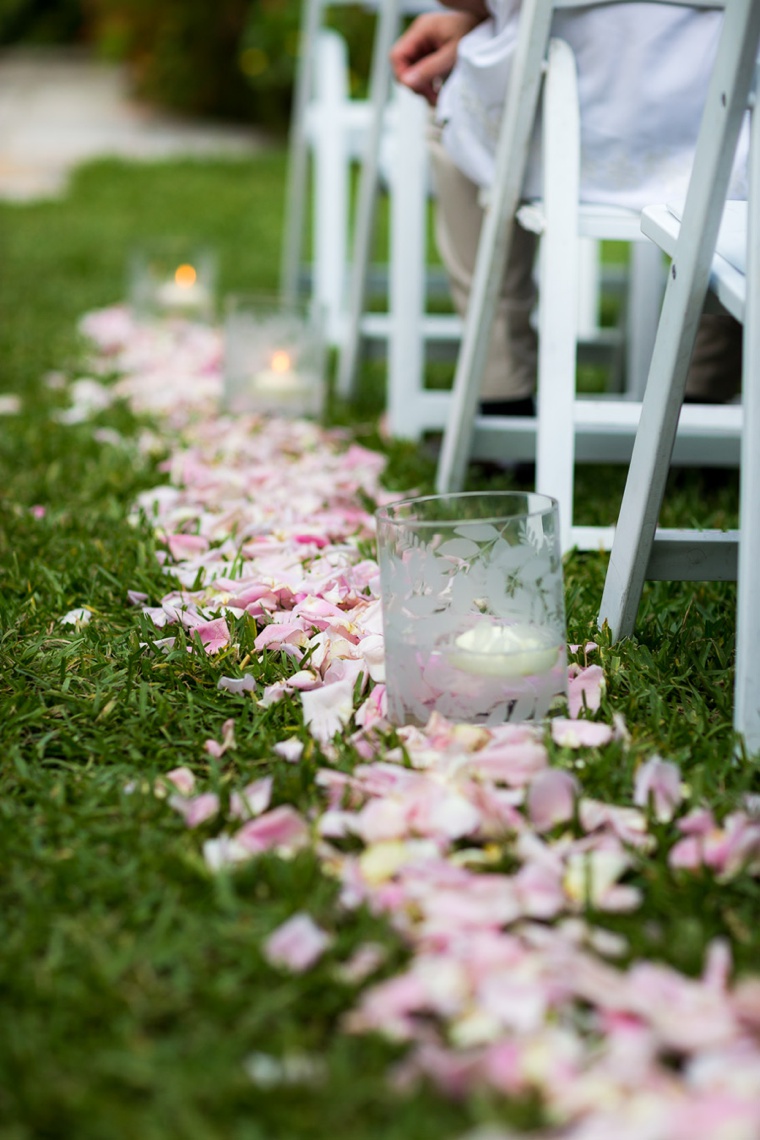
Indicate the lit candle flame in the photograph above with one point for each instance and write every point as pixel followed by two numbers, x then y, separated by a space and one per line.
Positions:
pixel 185 276
pixel 281 361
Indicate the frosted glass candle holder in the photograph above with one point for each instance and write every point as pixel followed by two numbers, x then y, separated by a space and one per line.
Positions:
pixel 274 357
pixel 173 279
pixel 473 607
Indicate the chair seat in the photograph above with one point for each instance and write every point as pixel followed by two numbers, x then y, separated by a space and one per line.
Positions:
pixel 727 272
pixel 603 223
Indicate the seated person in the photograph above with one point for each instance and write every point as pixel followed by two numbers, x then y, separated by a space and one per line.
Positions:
pixel 643 71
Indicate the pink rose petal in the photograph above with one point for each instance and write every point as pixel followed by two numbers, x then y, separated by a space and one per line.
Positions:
pixel 277 634
pixel 216 749
pixel 584 688
pixel 297 944
pixel 686 854
pixel 551 798
pixel 659 781
pixel 327 710
pixel 290 750
pixel 182 546
pixel 215 635
pixel 281 829
pixel 197 809
pixel 569 733
pixel 253 800
pixel 183 780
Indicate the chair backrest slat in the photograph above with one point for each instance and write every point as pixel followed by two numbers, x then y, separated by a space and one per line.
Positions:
pixel 706 4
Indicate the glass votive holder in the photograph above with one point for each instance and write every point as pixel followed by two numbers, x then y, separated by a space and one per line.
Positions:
pixel 173 279
pixel 473 607
pixel 274 356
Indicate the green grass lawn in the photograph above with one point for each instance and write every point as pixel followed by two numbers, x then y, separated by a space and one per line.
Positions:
pixel 132 983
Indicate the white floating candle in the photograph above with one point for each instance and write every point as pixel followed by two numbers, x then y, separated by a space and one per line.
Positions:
pixel 283 383
pixel 492 650
pixel 184 291
pixel 279 379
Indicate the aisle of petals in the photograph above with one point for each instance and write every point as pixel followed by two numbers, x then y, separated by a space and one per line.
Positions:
pixel 508 984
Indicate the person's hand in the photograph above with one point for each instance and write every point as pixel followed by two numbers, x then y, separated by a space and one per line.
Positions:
pixel 426 53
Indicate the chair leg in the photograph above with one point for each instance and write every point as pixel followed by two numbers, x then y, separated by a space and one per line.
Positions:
pixel 388 23
pixel 332 168
pixel 747 683
pixel 589 288
pixel 408 262
pixel 558 287
pixel 298 158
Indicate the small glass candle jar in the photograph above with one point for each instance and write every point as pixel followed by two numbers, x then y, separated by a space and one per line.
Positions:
pixel 473 607
pixel 274 357
pixel 173 279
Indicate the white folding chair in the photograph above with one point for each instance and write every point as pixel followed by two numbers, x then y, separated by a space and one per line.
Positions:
pixel 412 408
pixel 397 128
pixel 565 429
pixel 331 132
pixel 640 549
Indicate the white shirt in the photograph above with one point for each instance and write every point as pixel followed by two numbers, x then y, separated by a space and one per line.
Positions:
pixel 643 71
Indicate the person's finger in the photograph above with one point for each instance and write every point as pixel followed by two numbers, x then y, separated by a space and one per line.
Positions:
pixel 415 43
pixel 426 76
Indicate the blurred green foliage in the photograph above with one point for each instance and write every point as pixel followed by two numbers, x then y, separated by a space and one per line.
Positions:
pixel 41 21
pixel 230 59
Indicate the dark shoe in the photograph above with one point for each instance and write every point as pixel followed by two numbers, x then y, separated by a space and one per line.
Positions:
pixel 521 407
pixel 715 370
pixel 520 472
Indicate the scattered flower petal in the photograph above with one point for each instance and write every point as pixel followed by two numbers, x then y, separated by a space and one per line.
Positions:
pixel 328 709
pixel 569 733
pixel 183 780
pixel 244 684
pixel 296 945
pixel 197 809
pixel 365 960
pixel 216 749
pixel 214 635
pixel 77 617
pixel 10 405
pixel 290 750
pixel 659 781
pixel 551 798
pixel 585 688
pixel 281 829
pixel 253 800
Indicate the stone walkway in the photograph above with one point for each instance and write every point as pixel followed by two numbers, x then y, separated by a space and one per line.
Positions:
pixel 58 109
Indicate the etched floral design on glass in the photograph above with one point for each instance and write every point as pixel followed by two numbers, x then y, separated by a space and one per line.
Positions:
pixel 473 607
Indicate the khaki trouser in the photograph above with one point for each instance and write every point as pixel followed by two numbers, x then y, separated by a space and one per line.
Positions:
pixel 510 374
pixel 511 368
